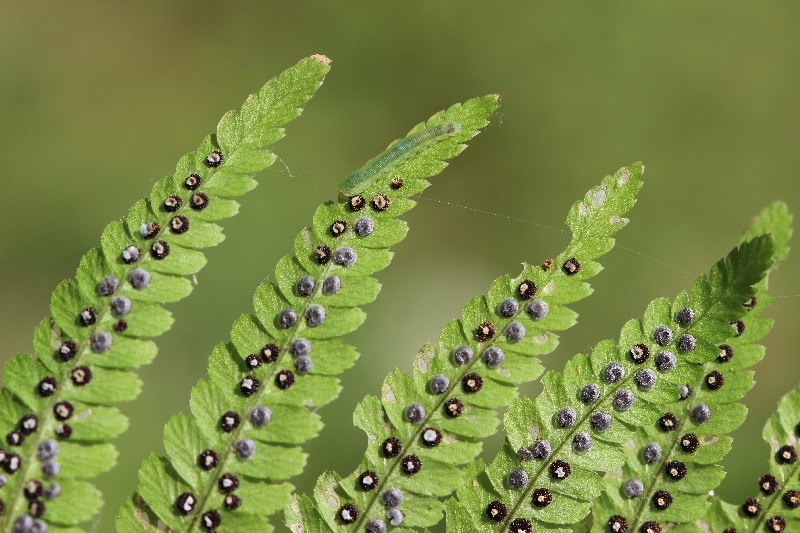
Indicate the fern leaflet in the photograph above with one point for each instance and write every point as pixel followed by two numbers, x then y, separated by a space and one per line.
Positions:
pixel 775 507
pixel 424 426
pixel 691 448
pixel 63 399
pixel 227 462
pixel 546 476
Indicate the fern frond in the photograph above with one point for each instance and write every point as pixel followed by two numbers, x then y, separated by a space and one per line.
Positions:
pixel 423 427
pixel 774 508
pixel 62 400
pixel 688 465
pixel 548 473
pixel 227 463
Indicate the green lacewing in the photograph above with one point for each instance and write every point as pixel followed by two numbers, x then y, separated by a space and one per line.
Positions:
pixel 398 153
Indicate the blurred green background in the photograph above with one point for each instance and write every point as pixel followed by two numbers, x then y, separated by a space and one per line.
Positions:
pixel 98 101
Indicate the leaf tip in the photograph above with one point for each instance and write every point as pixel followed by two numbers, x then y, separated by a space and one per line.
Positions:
pixel 322 58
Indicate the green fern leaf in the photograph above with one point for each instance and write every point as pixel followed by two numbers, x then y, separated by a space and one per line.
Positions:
pixel 101 319
pixel 718 383
pixel 136 517
pixel 481 358
pixel 775 507
pixel 547 474
pixel 256 397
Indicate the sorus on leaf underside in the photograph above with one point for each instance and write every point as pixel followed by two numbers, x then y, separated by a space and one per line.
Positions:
pixel 86 350
pixel 265 385
pixel 601 426
pixel 497 340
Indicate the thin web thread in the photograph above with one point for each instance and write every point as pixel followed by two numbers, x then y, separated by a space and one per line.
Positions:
pixel 512 219
pixel 560 230
pixel 294 176
pixel 290 251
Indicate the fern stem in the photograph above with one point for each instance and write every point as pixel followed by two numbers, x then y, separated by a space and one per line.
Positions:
pixel 265 390
pixel 644 499
pixel 443 397
pixel 602 404
pixel 773 499
pixel 361 240
pixel 592 222
pixel 716 298
pixel 413 441
pixel 526 492
pixel 46 416
pixel 761 296
pixel 47 426
pixel 776 221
